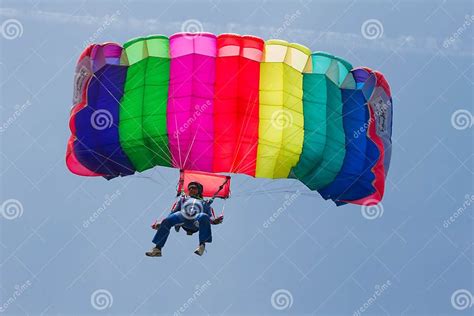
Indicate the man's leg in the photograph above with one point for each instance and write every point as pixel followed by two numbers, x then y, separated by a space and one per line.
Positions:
pixel 205 234
pixel 163 232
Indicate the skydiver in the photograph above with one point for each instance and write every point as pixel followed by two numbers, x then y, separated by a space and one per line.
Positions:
pixel 200 223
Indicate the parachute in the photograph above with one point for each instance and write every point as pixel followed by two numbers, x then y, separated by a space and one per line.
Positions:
pixel 208 104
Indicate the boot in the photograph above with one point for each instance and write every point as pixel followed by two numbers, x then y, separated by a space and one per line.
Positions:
pixel 200 250
pixel 155 252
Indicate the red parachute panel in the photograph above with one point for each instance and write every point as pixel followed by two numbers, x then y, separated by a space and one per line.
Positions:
pixel 210 181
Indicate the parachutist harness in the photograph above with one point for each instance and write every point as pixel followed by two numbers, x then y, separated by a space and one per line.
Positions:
pixel 182 194
pixel 191 208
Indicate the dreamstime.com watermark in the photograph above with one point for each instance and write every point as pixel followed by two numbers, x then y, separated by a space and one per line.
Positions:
pixel 19 290
pixel 379 290
pixel 372 29
pixel 468 201
pixel 281 299
pixel 363 129
pixel 101 119
pixel 289 19
pixel 200 289
pixel 462 119
pixel 11 29
pixel 199 110
pixel 462 299
pixel 468 21
pixel 281 119
pixel 371 209
pixel 19 109
pixel 101 299
pixel 107 202
pixel 11 209
pixel 108 20
pixel 192 28
pixel 289 199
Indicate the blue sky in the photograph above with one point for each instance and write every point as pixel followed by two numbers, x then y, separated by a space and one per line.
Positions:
pixel 414 258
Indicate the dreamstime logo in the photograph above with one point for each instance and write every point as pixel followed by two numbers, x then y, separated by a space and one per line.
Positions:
pixel 101 299
pixel 289 199
pixel 462 299
pixel 462 119
pixel 11 29
pixel 468 201
pixel 281 299
pixel 192 28
pixel 191 208
pixel 468 20
pixel 379 290
pixel 372 29
pixel 101 119
pixel 200 289
pixel 371 209
pixel 11 209
pixel 282 119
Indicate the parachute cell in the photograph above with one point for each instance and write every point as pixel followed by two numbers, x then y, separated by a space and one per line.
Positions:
pixel 97 128
pixel 236 103
pixel 142 126
pixel 190 100
pixel 281 108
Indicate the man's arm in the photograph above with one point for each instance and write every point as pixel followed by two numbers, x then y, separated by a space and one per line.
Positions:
pixel 177 205
pixel 215 220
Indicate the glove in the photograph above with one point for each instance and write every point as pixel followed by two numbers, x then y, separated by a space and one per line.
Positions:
pixel 155 225
pixel 218 220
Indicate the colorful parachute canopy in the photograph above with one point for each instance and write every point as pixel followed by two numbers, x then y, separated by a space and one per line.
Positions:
pixel 232 104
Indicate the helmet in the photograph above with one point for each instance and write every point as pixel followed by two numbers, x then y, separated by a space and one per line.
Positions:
pixel 199 186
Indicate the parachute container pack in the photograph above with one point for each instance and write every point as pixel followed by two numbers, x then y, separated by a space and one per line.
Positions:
pixel 232 104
